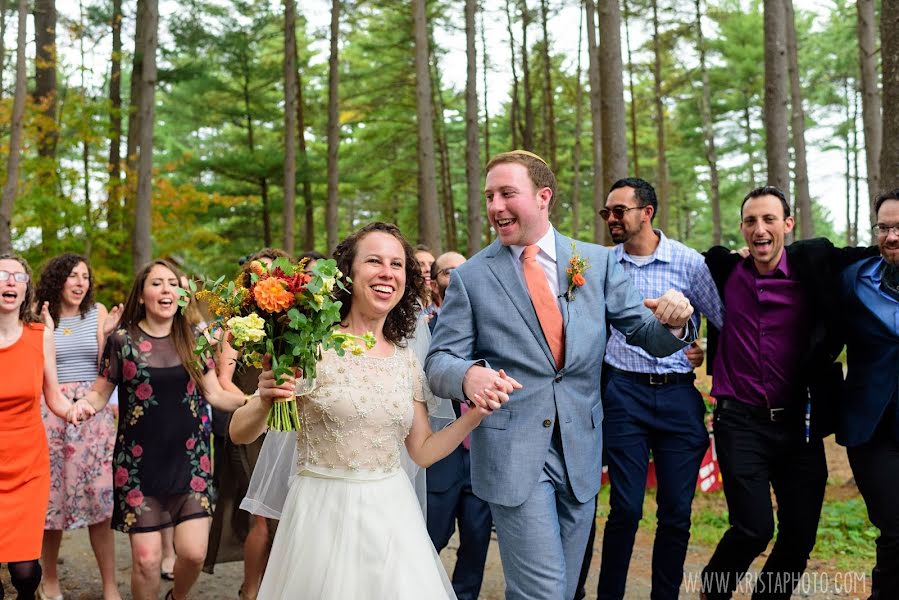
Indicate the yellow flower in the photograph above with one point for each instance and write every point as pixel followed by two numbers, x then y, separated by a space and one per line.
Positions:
pixel 246 329
pixel 272 296
pixel 130 519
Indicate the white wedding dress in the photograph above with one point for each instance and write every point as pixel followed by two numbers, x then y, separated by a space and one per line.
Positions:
pixel 352 527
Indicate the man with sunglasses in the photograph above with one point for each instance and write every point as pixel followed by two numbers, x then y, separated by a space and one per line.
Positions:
pixel 776 382
pixel 651 404
pixel 869 412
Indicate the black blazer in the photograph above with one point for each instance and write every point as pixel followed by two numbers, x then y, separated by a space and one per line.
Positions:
pixel 817 265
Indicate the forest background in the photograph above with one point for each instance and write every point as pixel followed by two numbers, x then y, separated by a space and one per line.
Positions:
pixel 203 130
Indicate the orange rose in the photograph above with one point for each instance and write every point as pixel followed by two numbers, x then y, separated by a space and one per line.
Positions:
pixel 271 295
pixel 578 280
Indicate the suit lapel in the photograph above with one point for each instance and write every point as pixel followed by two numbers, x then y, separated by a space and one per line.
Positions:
pixel 499 260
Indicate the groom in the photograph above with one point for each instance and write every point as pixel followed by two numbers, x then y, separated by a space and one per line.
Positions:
pixel 533 307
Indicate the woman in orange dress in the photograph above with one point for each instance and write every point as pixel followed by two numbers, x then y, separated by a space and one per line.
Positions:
pixel 28 357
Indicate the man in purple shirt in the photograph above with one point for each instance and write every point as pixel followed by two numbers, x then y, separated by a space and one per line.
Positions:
pixel 775 380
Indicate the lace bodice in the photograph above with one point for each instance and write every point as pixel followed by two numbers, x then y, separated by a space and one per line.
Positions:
pixel 358 416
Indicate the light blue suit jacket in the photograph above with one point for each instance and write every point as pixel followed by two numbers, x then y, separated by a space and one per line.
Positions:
pixel 487 316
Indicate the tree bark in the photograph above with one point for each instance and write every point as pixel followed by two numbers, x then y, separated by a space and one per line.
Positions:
pixel 2 44
pixel 802 193
pixel 855 173
pixel 548 94
pixel 290 124
pixel 428 209
pixel 775 113
pixel 141 242
pixel 614 122
pixel 472 157
pixel 635 154
pixel 871 117
pixel 15 137
pixel 889 50
pixel 333 129
pixel 600 231
pixel 708 131
pixel 134 125
pixel 661 153
pixel 515 108
pixel 446 182
pixel 578 127
pixel 308 201
pixel 114 165
pixel 45 99
pixel 527 134
pixel 484 68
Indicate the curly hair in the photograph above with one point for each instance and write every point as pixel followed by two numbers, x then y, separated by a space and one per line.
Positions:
pixel 401 320
pixel 27 314
pixel 53 279
pixel 183 336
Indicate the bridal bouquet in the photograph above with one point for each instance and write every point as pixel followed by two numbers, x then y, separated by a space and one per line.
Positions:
pixel 286 313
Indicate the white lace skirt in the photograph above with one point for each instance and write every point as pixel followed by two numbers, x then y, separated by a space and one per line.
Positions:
pixel 350 539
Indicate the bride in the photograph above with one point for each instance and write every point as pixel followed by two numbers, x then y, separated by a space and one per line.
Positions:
pixel 352 527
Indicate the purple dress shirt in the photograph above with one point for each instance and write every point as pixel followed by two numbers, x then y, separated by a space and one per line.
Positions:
pixel 766 326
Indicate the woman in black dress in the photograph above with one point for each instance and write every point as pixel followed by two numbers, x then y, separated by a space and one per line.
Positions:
pixel 162 474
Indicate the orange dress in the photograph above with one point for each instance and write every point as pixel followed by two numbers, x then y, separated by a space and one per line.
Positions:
pixel 24 456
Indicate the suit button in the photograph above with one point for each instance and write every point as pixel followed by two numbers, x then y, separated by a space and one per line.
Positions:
pixel 547 422
pixel 558 378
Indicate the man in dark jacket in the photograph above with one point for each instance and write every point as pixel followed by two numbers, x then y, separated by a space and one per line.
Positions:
pixel 775 378
pixel 869 411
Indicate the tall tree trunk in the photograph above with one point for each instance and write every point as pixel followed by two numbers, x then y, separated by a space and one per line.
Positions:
pixel 484 68
pixel 45 98
pixel 803 196
pixel 855 174
pixel 134 125
pixel 775 114
pixel 308 205
pixel 871 118
pixel 750 153
pixel 848 163
pixel 290 124
pixel 614 122
pixel 141 243
pixel 600 231
pixel 708 131
pixel 889 50
pixel 515 109
pixel 333 129
pixel 3 8
pixel 15 136
pixel 446 182
pixel 635 154
pixel 114 165
pixel 548 94
pixel 578 127
pixel 661 154
pixel 527 134
pixel 428 209
pixel 472 157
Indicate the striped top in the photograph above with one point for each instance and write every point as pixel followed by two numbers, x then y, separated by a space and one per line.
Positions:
pixel 76 347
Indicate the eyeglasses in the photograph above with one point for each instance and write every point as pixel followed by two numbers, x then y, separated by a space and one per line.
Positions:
pixel 20 277
pixel 618 211
pixel 883 230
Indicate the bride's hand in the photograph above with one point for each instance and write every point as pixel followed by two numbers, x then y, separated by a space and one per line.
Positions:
pixel 269 390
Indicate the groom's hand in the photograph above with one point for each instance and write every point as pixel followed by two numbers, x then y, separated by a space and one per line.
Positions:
pixel 672 308
pixel 488 388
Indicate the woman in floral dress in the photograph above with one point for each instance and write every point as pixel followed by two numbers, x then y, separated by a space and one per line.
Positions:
pixel 162 472
pixel 80 457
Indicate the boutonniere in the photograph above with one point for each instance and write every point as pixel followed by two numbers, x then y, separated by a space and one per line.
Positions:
pixel 576 268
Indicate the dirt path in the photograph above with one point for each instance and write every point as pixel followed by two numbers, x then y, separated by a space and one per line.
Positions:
pixel 823 580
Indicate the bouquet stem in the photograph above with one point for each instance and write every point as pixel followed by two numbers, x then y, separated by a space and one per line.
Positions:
pixel 284 415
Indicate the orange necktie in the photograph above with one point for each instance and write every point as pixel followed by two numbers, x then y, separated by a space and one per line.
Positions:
pixel 544 303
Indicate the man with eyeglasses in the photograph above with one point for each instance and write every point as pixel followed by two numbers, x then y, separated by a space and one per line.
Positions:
pixel 869 411
pixel 650 403
pixel 776 381
pixel 440 278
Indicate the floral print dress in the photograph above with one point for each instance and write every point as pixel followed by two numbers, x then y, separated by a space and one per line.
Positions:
pixel 162 474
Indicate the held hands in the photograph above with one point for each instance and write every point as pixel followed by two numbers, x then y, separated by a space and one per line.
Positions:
pixel 488 389
pixel 81 410
pixel 671 308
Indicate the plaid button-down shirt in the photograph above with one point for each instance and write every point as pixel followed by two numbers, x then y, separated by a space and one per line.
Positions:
pixel 672 266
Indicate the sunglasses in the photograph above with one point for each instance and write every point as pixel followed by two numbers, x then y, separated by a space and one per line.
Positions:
pixel 618 211
pixel 20 277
